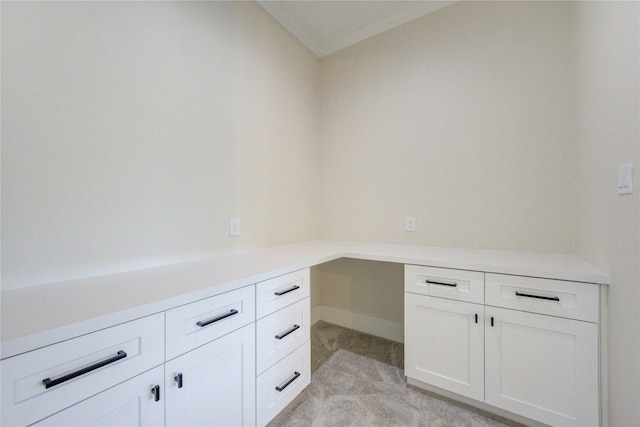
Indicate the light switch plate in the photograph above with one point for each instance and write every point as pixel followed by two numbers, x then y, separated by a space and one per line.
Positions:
pixel 625 179
pixel 234 227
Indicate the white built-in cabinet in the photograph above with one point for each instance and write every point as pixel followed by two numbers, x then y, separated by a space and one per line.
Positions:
pixel 191 365
pixel 524 345
pixel 119 361
pixel 213 385
pixel 444 330
pixel 210 368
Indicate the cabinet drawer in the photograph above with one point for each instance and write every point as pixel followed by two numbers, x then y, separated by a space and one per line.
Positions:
pixel 279 385
pixel 282 332
pixel 200 322
pixel 78 368
pixel 279 292
pixel 458 285
pixel 572 300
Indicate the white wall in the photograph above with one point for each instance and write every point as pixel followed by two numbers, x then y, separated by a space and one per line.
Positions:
pixel 463 118
pixel 608 228
pixel 133 131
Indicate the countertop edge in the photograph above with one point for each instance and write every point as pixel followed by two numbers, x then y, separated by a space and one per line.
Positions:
pixel 230 275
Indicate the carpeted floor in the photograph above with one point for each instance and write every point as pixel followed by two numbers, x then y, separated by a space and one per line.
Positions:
pixel 358 380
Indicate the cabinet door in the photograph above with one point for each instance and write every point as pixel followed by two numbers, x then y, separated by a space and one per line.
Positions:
pixel 214 385
pixel 444 344
pixel 542 367
pixel 132 403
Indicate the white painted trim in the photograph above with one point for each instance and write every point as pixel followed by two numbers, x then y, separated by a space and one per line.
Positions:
pixel 604 362
pixel 316 314
pixel 401 15
pixel 380 24
pixel 280 13
pixel 359 322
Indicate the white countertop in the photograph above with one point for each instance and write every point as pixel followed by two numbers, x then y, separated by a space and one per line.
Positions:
pixel 41 315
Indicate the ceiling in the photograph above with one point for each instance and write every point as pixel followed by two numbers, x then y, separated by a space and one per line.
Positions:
pixel 326 26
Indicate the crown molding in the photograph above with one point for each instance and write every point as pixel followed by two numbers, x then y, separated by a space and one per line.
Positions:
pixel 405 12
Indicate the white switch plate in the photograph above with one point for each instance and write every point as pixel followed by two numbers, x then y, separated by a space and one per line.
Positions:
pixel 625 179
pixel 410 223
pixel 234 227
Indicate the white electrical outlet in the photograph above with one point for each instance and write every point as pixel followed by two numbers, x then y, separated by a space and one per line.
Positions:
pixel 410 223
pixel 234 227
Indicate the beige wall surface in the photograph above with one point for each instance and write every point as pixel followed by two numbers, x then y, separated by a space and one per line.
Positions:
pixel 133 131
pixel 369 288
pixel 464 119
pixel 608 227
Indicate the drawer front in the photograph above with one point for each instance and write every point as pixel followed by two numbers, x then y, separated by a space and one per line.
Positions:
pixel 282 332
pixel 458 285
pixel 571 300
pixel 78 368
pixel 200 322
pixel 279 292
pixel 279 385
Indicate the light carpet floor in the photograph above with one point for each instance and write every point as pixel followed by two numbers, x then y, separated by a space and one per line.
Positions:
pixel 352 390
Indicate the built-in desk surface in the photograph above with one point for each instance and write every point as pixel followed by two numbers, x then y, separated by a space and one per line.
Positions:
pixel 37 316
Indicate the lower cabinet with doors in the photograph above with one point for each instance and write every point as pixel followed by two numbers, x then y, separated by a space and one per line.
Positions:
pixel 541 349
pixel 210 368
pixel 110 377
pixel 121 375
pixel 191 365
pixel 444 330
pixel 213 385
pixel 528 346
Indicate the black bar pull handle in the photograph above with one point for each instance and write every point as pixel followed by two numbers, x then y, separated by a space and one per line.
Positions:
pixel 520 294
pixel 284 334
pixel 491 321
pixel 178 380
pixel 435 282
pixel 156 393
pixel 280 293
pixel 289 381
pixel 48 382
pixel 476 317
pixel 204 323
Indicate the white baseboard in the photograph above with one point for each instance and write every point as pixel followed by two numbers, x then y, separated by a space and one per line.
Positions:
pixel 359 322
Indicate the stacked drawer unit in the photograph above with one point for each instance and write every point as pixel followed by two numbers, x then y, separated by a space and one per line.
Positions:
pixel 283 350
